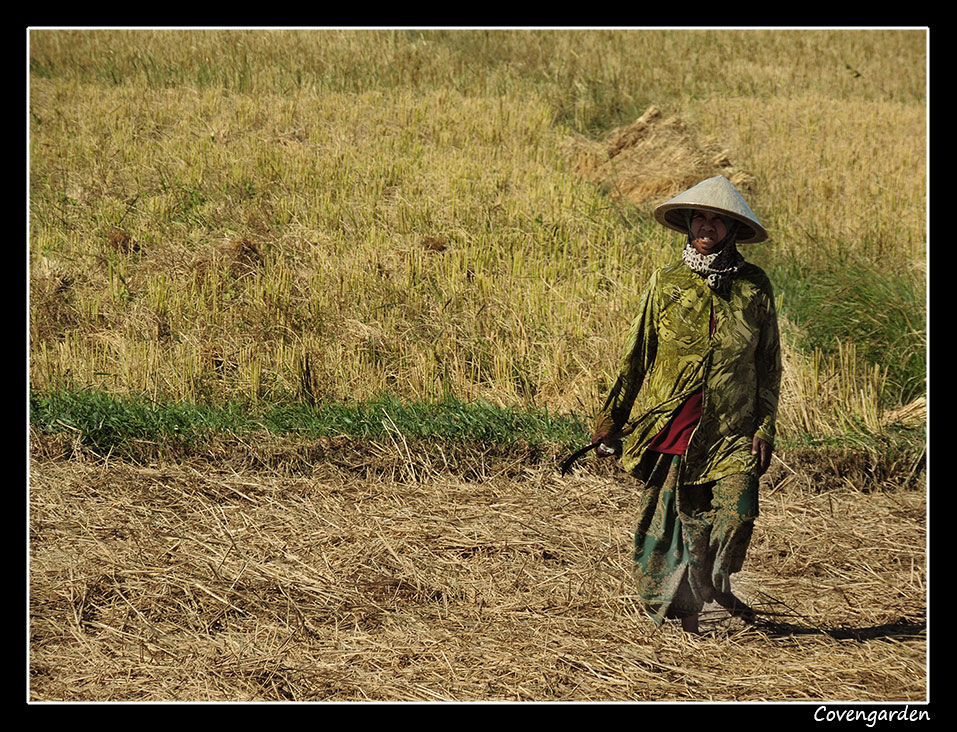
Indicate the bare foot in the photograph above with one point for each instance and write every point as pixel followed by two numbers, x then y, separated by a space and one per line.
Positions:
pixel 689 624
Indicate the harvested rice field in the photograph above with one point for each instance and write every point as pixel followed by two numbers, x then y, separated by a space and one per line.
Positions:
pixel 243 236
pixel 328 570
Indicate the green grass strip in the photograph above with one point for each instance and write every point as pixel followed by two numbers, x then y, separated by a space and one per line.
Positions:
pixel 105 422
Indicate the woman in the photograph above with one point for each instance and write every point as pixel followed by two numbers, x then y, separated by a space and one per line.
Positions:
pixel 701 373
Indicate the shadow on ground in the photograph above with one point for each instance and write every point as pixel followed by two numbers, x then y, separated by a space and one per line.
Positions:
pixel 900 630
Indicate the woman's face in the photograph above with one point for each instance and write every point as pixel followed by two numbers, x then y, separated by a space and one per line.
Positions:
pixel 707 232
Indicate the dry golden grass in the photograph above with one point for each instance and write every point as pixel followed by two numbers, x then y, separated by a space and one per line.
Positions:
pixel 836 172
pixel 652 159
pixel 255 215
pixel 418 228
pixel 353 282
pixel 387 572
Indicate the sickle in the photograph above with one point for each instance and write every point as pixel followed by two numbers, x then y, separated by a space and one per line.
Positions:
pixel 570 460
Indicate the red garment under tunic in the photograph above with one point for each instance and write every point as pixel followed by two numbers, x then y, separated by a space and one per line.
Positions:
pixel 673 439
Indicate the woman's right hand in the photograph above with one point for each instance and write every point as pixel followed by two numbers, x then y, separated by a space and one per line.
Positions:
pixel 604 449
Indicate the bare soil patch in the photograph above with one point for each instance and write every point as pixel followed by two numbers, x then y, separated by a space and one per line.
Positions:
pixel 330 571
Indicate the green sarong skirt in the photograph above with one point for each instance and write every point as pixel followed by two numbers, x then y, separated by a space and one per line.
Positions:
pixel 690 539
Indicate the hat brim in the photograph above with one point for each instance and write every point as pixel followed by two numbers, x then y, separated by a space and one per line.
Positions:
pixel 715 194
pixel 672 215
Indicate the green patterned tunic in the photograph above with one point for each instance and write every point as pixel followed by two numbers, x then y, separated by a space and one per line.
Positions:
pixel 670 354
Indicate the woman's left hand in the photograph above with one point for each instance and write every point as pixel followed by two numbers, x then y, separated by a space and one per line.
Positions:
pixel 762 449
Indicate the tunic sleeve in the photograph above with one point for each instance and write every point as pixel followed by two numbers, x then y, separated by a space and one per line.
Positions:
pixel 768 364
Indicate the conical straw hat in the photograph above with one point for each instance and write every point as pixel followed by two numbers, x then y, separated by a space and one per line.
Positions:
pixel 716 194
